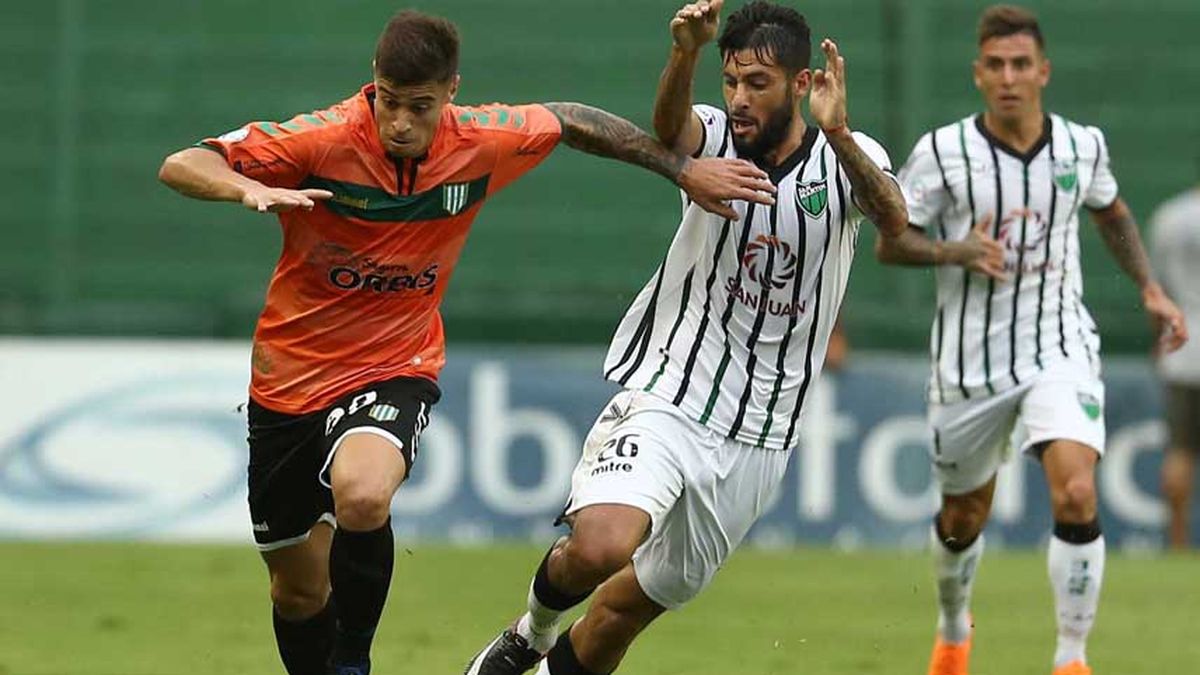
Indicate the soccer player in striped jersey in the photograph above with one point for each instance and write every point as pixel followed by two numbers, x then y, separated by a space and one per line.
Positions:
pixel 717 353
pixel 1175 247
pixel 993 205
pixel 376 196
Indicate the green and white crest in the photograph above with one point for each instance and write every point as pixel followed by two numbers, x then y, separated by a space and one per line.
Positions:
pixel 812 197
pixel 1065 174
pixel 1090 404
pixel 454 197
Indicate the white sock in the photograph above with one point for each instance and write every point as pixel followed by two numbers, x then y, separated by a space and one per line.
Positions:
pixel 955 576
pixel 539 625
pixel 1076 571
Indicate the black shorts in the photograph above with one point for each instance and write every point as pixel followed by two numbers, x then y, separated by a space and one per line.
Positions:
pixel 290 454
pixel 1183 416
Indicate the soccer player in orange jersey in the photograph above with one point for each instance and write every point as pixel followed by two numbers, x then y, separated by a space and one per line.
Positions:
pixel 375 196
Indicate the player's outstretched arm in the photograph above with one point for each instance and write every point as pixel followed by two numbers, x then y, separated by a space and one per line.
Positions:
pixel 203 174
pixel 1119 230
pixel 876 194
pixel 710 182
pixel 978 252
pixel 675 123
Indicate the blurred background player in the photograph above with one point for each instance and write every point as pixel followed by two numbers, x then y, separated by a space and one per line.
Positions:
pixel 719 350
pixel 1012 344
pixel 376 195
pixel 1175 244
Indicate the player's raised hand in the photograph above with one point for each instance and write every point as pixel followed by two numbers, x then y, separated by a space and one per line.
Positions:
pixel 273 200
pixel 695 24
pixel 712 182
pixel 981 253
pixel 1166 320
pixel 827 100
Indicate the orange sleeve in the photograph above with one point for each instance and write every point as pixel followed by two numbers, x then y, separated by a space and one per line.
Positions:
pixel 524 136
pixel 278 154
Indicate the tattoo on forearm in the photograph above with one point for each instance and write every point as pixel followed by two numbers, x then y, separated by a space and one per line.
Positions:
pixel 601 133
pixel 875 193
pixel 1120 232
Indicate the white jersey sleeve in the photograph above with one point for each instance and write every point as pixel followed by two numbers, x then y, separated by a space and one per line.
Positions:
pixel 713 123
pixel 877 154
pixel 924 187
pixel 1102 190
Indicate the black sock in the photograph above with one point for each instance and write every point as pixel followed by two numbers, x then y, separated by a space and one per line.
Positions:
pixel 547 594
pixel 1078 533
pixel 562 660
pixel 305 645
pixel 360 570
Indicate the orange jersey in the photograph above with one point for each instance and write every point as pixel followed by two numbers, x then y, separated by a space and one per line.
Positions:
pixel 354 297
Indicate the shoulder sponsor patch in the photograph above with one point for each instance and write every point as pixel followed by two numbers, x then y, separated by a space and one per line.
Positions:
pixel 383 412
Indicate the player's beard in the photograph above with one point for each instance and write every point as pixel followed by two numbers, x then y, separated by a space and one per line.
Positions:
pixel 774 130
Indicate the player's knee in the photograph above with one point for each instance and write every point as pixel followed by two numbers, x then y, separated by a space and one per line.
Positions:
pixel 1075 500
pixel 362 507
pixel 1176 487
pixel 590 561
pixel 963 522
pixel 294 601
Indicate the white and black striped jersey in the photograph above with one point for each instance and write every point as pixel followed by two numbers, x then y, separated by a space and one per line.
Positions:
pixel 1175 243
pixel 989 335
pixel 733 327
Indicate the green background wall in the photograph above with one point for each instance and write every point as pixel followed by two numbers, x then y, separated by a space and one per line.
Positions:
pixel 97 92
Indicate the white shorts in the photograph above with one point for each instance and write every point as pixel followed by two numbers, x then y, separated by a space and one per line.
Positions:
pixel 702 490
pixel 972 438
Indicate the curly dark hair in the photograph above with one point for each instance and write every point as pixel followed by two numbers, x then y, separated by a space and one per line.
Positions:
pixel 777 34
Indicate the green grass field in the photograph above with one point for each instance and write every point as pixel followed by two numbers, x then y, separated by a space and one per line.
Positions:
pixel 124 609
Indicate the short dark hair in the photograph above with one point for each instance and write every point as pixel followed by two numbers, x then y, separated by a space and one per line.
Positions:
pixel 775 33
pixel 416 48
pixel 1005 20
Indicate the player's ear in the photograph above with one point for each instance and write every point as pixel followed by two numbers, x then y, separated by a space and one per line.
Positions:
pixel 802 82
pixel 1044 71
pixel 976 69
pixel 454 81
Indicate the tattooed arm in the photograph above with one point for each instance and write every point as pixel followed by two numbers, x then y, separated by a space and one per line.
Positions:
pixel 875 193
pixel 709 182
pixel 1120 232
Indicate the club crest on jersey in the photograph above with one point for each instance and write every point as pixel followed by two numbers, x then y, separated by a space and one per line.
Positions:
pixel 812 197
pixel 1065 175
pixel 1090 404
pixel 454 197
